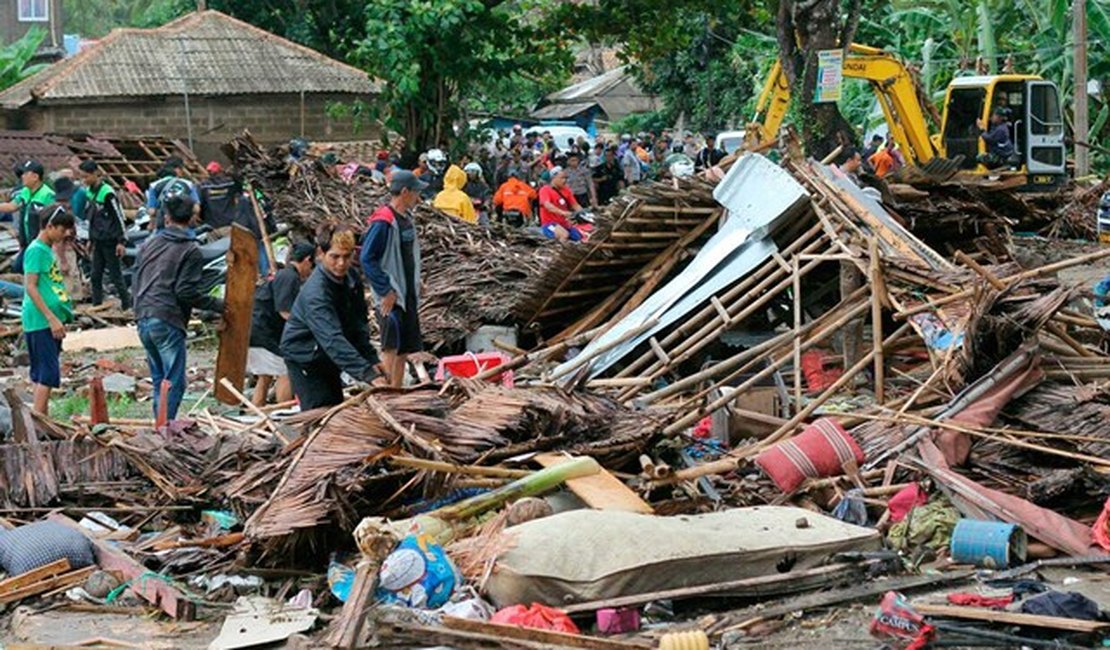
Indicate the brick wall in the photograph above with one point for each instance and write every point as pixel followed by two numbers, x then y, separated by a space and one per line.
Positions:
pixel 271 119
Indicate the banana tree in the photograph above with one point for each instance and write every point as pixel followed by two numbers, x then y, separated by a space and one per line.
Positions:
pixel 14 58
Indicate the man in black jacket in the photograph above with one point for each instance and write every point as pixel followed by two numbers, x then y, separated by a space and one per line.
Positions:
pixel 273 302
pixel 328 331
pixel 167 288
pixel 106 233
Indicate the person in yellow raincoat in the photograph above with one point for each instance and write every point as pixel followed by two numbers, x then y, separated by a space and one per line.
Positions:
pixel 453 200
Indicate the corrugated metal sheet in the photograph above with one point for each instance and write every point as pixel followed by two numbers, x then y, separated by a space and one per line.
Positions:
pixel 759 195
pixel 205 53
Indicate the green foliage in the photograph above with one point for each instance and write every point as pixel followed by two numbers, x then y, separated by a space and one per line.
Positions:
pixel 15 57
pixel 437 57
pixel 652 121
pixel 96 19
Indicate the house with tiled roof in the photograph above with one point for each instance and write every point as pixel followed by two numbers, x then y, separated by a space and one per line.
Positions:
pixel 201 79
pixel 606 97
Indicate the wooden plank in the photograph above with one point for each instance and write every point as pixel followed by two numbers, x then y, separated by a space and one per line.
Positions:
pixel 601 491
pixel 34 575
pixel 48 584
pixel 1010 618
pixel 104 340
pixel 242 274
pixel 151 588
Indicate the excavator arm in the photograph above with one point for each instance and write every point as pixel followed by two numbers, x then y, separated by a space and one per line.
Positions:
pixel 892 84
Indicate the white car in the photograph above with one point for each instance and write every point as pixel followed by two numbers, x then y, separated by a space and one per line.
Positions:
pixel 562 133
pixel 730 141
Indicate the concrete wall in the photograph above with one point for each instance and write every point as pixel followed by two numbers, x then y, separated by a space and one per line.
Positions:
pixel 271 119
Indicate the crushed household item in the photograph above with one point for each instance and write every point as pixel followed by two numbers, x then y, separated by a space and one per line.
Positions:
pixel 417 574
pixel 553 560
pixel 988 544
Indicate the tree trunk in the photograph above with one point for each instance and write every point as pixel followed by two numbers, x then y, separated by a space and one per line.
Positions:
pixel 806 27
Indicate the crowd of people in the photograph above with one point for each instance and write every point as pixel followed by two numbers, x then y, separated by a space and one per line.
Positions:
pixel 526 178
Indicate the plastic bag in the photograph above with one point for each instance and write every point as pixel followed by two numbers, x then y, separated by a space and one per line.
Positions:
pixel 417 573
pixel 539 617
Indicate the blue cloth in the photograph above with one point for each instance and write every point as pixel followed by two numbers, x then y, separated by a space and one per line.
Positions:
pixel 165 356
pixel 574 233
pixel 263 260
pixel 44 351
pixel 11 290
pixel 998 140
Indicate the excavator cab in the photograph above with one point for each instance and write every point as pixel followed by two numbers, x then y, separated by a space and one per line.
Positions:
pixel 1036 126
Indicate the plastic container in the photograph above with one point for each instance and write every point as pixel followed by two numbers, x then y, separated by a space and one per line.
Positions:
pixel 988 544
pixel 481 339
pixel 695 640
pixel 470 364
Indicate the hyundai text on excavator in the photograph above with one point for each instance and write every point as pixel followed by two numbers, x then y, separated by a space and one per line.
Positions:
pixel 1037 127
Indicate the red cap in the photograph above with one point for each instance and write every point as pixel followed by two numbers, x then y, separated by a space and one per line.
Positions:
pixel 214 167
pixel 383 155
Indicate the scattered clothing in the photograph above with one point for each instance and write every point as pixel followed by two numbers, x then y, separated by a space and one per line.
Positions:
pixel 977 600
pixel 1064 605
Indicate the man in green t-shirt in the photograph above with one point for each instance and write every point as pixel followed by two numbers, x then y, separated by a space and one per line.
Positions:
pixel 46 305
pixel 30 201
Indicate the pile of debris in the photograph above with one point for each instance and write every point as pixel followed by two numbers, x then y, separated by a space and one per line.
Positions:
pixel 764 388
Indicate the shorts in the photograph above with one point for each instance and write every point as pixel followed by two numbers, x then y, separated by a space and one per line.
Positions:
pixel 400 331
pixel 262 362
pixel 45 352
pixel 574 233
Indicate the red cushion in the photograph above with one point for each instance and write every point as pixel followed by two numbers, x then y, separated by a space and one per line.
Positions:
pixel 818 451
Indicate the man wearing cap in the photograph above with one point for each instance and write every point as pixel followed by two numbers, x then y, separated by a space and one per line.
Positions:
pixel 31 202
pixel 106 233
pixel 171 175
pixel 273 303
pixel 391 261
pixel 328 331
pixel 557 206
pixel 167 287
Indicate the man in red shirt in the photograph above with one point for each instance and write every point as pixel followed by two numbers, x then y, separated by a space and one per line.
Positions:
pixel 557 205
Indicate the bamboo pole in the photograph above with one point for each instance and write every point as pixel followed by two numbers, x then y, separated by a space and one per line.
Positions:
pixel 877 321
pixel 797 339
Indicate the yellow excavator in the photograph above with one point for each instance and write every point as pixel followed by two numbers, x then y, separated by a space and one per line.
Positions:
pixel 1037 126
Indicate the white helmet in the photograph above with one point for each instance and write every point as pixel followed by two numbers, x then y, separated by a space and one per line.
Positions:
pixel 437 160
pixel 473 168
pixel 682 168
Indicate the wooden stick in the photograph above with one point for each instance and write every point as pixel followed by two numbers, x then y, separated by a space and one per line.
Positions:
pixel 250 406
pixel 797 339
pixel 877 320
pixel 261 219
pixel 1010 618
pixel 451 468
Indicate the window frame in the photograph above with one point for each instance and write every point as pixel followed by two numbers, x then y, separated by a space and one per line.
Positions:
pixel 25 18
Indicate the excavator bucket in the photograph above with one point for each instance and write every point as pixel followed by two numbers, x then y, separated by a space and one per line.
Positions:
pixel 937 170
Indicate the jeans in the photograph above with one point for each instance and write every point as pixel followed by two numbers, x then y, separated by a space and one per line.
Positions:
pixel 104 258
pixel 165 355
pixel 263 261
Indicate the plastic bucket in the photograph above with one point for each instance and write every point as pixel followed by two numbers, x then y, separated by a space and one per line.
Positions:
pixel 988 544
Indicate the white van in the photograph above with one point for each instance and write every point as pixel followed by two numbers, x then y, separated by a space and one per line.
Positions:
pixel 730 141
pixel 562 133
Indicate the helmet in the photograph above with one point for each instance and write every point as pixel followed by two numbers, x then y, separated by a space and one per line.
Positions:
pixel 177 202
pixel 473 168
pixel 437 161
pixel 298 147
pixel 1104 202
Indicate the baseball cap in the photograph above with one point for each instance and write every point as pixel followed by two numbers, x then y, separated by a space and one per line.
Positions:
pixel 404 179
pixel 302 251
pixel 213 167
pixel 33 166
